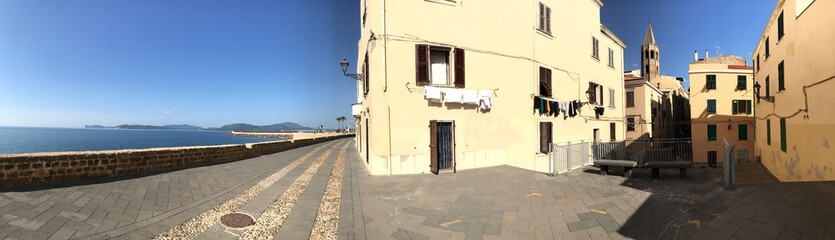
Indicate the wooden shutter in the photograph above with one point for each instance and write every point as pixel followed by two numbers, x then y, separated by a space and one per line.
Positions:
pixel 544 82
pixel 454 161
pixel 544 137
pixel 593 96
pixel 750 111
pixel 365 75
pixel 459 68
pixel 601 94
pixel 783 144
pixel 422 64
pixel 541 17
pixel 433 146
pixel 548 20
pixel 612 134
pixel 734 107
pixel 768 131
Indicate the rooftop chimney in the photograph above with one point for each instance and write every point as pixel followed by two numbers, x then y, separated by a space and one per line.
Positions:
pixel 695 55
pixel 706 54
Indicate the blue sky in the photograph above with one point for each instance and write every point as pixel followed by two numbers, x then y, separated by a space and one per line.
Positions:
pixel 209 63
pixel 206 63
pixel 682 26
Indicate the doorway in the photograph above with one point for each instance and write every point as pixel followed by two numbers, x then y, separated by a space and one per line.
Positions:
pixel 442 146
pixel 367 136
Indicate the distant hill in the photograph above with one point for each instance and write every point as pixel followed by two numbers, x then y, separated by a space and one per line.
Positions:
pixel 280 127
pixel 170 127
pixel 94 126
pixel 182 127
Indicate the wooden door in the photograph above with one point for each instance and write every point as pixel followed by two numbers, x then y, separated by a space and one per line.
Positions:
pixel 433 146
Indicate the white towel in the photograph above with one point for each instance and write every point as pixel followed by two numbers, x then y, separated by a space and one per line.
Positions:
pixel 432 93
pixel 452 95
pixel 485 99
pixel 470 97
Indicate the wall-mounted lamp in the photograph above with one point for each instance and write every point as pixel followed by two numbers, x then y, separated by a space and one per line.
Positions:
pixel 344 63
pixel 757 93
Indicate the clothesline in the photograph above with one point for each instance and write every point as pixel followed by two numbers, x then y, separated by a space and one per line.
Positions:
pixel 481 98
pixel 421 88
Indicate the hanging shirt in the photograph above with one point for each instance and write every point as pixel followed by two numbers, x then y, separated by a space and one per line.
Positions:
pixel 535 104
pixel 556 107
pixel 541 106
pixel 470 97
pixel 432 93
pixel 452 95
pixel 547 108
pixel 485 99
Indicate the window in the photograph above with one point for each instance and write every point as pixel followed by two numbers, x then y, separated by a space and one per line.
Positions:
pixel 544 19
pixel 544 82
pixel 768 131
pixel 758 62
pixel 439 66
pixel 630 124
pixel 710 81
pixel 712 157
pixel 611 58
pixel 611 97
pixel 433 66
pixel 711 106
pixel 767 87
pixel 545 137
pixel 783 145
pixel 780 29
pixel 741 82
pixel 781 84
pixel 595 92
pixel 630 99
pixel 741 106
pixel 594 48
pixel 743 132
pixel 711 132
pixel 767 53
pixel 612 133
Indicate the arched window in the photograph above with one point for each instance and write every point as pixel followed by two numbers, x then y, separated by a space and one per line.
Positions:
pixel 646 53
pixel 647 69
pixel 652 54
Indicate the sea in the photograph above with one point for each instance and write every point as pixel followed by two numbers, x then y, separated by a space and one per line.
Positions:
pixel 32 139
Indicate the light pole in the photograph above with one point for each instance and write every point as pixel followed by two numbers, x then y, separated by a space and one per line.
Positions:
pixel 344 63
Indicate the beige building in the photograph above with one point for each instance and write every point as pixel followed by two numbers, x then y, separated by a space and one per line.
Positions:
pixel 657 106
pixel 721 98
pixel 431 67
pixel 795 68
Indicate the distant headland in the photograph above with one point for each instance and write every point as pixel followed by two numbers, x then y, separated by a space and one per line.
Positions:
pixel 238 127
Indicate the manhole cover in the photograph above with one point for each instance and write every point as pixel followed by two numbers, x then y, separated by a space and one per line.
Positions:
pixel 236 220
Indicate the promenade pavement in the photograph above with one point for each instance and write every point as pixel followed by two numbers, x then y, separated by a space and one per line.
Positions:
pixel 284 194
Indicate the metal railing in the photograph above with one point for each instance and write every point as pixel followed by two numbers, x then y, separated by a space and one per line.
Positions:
pixel 568 156
pixel 644 151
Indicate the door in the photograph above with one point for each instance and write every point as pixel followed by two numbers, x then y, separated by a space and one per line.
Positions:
pixel 596 135
pixel 442 146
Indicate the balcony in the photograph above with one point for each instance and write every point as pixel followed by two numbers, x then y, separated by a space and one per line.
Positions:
pixel 356 109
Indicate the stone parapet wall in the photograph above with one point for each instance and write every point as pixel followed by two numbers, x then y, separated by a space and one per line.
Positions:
pixel 36 168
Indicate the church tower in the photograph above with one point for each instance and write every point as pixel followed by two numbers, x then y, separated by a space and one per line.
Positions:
pixel 650 67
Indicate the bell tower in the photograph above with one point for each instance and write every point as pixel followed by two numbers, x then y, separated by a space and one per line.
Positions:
pixel 650 67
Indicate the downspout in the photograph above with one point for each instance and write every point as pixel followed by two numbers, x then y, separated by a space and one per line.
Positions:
pixel 386 84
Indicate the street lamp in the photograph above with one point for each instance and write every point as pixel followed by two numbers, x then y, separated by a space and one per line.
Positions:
pixel 757 93
pixel 344 63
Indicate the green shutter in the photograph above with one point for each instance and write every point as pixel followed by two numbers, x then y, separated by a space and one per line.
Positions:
pixel 734 103
pixel 711 106
pixel 743 132
pixel 750 109
pixel 711 132
pixel 783 145
pixel 768 131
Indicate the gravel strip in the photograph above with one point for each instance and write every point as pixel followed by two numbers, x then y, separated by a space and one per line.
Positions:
pixel 198 224
pixel 271 220
pixel 327 218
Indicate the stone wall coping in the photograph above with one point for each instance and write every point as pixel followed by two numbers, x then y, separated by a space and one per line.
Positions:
pixel 126 151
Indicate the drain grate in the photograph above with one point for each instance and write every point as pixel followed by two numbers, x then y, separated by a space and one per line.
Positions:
pixel 237 220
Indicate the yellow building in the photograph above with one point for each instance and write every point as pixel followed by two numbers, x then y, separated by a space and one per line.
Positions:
pixel 721 99
pixel 430 66
pixel 642 103
pixel 795 68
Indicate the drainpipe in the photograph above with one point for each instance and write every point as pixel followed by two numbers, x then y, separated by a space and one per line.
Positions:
pixel 390 161
pixel 385 50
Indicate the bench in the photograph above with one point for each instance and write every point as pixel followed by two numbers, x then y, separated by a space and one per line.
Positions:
pixel 626 164
pixel 681 165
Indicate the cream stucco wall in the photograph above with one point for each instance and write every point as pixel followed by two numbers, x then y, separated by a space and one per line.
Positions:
pixel 724 94
pixel 806 49
pixel 503 54
pixel 646 97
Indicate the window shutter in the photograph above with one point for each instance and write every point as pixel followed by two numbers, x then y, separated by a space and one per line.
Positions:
pixel 544 137
pixel 548 19
pixel 365 75
pixel 750 111
pixel 422 64
pixel 548 82
pixel 734 107
pixel 600 92
pixel 541 17
pixel 544 82
pixel 768 131
pixel 593 91
pixel 459 68
pixel 783 144
pixel 433 146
